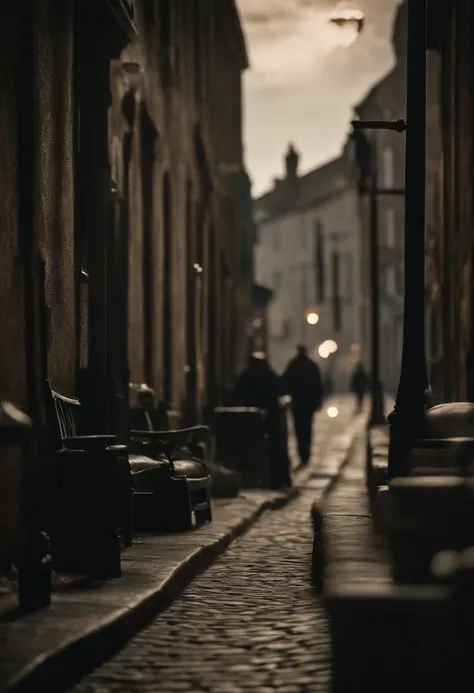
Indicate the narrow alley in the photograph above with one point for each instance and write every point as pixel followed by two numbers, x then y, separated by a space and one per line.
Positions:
pixel 251 622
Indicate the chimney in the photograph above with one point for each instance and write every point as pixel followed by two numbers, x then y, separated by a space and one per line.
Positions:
pixel 291 163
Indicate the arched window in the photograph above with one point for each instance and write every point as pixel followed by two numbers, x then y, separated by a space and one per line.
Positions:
pixel 390 227
pixel 148 140
pixel 168 288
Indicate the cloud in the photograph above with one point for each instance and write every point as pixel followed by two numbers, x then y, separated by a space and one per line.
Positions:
pixel 301 85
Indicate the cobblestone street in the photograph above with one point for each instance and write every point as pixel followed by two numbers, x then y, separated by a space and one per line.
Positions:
pixel 249 623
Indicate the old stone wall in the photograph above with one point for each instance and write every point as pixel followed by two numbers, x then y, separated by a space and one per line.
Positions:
pixel 451 213
pixel 12 348
pixel 181 116
pixel 198 128
pixel 53 229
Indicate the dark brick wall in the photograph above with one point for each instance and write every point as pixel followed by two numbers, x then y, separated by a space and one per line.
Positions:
pixel 12 371
pixel 54 228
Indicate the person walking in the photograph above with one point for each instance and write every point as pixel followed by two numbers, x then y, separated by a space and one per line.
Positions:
pixel 359 385
pixel 303 382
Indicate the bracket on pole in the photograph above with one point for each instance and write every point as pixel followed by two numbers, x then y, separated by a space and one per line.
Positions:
pixel 396 125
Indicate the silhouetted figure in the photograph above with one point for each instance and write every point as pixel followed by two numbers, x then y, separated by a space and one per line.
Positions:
pixel 359 385
pixel 302 381
pixel 259 386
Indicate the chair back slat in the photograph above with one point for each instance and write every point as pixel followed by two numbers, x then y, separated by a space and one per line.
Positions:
pixel 63 414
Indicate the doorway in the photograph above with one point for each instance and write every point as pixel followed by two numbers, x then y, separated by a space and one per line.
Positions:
pixel 167 291
pixel 192 279
pixel 148 140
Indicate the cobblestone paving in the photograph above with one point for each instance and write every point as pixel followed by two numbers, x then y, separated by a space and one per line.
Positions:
pixel 249 623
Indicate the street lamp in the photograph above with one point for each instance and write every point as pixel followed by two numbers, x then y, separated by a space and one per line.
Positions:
pixel 407 420
pixel 312 318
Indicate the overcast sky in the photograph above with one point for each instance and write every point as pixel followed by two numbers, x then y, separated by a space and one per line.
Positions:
pixel 302 84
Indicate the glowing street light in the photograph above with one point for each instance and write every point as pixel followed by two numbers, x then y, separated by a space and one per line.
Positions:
pixel 323 351
pixel 332 412
pixel 312 318
pixel 331 346
pixel 327 348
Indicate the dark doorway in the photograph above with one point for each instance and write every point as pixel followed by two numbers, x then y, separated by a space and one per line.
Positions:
pixel 336 297
pixel 212 323
pixel 148 143
pixel 117 313
pixel 192 280
pixel 168 289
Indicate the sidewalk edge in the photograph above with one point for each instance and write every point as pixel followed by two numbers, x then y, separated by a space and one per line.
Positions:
pixel 66 665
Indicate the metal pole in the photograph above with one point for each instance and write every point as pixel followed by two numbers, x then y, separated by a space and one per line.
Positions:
pixel 377 412
pixel 406 422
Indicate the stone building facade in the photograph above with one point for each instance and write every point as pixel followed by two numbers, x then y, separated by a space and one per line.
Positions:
pixel 387 101
pixel 308 254
pixel 450 212
pixel 126 211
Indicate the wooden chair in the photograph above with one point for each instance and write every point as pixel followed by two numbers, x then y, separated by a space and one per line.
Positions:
pixel 178 497
pixel 94 493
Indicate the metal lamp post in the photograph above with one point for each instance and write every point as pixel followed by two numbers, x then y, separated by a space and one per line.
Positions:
pixel 377 410
pixel 377 416
pixel 407 420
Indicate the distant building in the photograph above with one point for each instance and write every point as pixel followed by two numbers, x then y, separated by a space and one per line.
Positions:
pixel 307 252
pixel 387 101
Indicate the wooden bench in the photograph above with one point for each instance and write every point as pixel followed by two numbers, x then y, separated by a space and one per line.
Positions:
pixel 93 519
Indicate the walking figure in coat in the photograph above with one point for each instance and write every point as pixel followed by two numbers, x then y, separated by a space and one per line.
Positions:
pixel 359 385
pixel 303 382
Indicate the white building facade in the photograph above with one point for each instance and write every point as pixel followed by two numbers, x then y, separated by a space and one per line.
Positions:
pixel 308 253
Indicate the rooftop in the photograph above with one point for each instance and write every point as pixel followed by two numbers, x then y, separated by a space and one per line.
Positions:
pixel 300 192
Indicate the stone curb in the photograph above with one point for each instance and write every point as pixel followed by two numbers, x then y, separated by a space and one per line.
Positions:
pixel 60 669
pixel 353 431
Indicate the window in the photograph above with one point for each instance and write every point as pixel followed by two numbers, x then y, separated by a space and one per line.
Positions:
pixel 302 235
pixel 276 281
pixel 390 227
pixel 336 298
pixel 390 280
pixel 319 261
pixel 388 164
pixel 349 287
